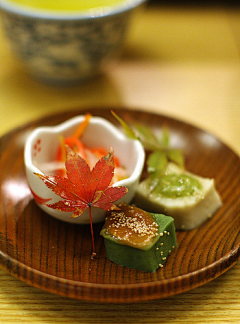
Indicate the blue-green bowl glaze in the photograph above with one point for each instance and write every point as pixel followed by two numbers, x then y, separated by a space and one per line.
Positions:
pixel 65 48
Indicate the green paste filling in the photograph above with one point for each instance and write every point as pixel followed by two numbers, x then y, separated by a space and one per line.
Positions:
pixel 174 186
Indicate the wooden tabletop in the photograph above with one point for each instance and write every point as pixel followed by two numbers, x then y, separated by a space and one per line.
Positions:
pixel 180 62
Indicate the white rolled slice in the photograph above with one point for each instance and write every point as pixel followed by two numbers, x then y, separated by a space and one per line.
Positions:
pixel 188 198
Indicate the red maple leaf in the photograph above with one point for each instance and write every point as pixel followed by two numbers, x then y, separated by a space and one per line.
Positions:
pixel 84 188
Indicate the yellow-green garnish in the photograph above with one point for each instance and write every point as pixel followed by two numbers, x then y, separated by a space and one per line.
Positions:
pixel 160 151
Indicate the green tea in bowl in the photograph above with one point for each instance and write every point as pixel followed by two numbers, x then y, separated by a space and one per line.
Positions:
pixel 68 5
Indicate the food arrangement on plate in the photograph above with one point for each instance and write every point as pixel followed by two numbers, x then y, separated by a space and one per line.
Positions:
pixel 79 166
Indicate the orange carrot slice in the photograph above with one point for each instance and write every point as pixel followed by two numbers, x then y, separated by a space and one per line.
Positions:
pixel 81 128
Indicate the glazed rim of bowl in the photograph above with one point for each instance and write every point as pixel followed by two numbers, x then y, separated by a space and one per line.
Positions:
pixel 104 11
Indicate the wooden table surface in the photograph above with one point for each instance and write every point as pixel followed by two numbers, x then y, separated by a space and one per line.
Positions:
pixel 181 62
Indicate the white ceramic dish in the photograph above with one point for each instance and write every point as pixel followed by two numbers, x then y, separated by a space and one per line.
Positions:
pixel 40 152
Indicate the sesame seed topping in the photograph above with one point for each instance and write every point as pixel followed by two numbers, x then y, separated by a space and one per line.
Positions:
pixel 137 225
pixel 132 225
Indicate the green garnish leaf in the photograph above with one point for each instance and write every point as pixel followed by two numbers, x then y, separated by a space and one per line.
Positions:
pixel 165 137
pixel 157 161
pixel 127 130
pixel 176 156
pixel 161 153
pixel 147 137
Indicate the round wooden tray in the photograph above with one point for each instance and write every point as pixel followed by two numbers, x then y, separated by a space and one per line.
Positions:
pixel 55 256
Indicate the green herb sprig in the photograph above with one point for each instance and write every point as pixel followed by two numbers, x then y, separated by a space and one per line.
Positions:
pixel 161 152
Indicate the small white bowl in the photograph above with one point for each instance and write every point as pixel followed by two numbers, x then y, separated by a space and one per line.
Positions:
pixel 40 152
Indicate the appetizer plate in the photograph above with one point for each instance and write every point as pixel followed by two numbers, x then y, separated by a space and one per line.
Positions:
pixel 56 256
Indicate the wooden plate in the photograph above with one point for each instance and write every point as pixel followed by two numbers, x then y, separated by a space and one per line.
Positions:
pixel 55 256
